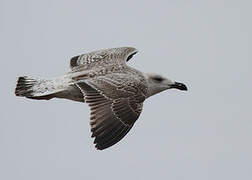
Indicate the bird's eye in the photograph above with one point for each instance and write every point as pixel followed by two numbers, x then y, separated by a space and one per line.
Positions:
pixel 158 79
pixel 130 56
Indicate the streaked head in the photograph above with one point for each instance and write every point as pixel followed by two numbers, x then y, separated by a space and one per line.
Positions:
pixel 158 83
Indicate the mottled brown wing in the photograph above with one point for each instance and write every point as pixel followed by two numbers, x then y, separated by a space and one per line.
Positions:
pixel 90 60
pixel 111 119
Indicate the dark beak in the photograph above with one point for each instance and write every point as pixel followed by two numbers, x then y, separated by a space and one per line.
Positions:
pixel 179 86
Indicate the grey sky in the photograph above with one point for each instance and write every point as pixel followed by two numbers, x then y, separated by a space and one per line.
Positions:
pixel 204 133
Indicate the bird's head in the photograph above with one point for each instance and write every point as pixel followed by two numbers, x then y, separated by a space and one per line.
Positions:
pixel 158 83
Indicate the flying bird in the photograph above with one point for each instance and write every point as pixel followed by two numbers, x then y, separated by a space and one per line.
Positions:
pixel 114 91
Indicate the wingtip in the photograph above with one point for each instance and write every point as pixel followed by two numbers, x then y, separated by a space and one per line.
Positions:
pixel 99 148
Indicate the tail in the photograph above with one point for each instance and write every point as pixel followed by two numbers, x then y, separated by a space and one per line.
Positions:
pixel 33 88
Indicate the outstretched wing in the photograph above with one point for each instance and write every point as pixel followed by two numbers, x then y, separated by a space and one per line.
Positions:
pixel 112 114
pixel 106 56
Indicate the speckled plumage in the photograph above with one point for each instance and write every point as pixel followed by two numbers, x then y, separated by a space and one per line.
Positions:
pixel 114 91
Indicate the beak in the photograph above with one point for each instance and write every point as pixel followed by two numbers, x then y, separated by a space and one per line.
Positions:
pixel 179 86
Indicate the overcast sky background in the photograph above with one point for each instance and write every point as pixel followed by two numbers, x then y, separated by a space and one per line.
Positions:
pixel 204 133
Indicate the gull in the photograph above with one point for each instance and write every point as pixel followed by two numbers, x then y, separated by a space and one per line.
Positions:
pixel 114 91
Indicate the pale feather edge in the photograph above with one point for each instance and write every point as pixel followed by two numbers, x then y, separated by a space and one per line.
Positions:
pixel 83 92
